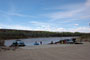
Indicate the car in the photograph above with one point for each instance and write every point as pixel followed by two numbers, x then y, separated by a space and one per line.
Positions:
pixel 18 43
pixel 69 41
pixel 36 43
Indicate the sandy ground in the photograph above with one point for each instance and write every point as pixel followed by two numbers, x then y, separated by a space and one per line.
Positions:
pixel 49 52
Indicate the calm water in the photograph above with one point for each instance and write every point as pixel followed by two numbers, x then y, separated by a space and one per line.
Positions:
pixel 31 41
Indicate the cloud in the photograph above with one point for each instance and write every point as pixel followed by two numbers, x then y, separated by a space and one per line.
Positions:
pixel 19 27
pixel 84 17
pixel 13 11
pixel 76 24
pixel 4 14
pixel 0 27
pixel 77 29
pixel 74 11
pixel 65 14
pixel 80 29
pixel 41 24
pixel 19 15
pixel 87 3
pixel 46 28
pixel 68 14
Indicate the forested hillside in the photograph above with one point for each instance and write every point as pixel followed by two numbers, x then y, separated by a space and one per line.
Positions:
pixel 16 34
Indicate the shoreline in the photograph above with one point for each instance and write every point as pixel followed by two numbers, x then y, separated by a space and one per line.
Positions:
pixel 49 52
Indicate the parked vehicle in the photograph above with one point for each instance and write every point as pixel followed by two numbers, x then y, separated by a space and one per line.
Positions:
pixel 18 43
pixel 36 43
pixel 69 41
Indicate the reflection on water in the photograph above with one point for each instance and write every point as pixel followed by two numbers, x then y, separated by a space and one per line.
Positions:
pixel 31 41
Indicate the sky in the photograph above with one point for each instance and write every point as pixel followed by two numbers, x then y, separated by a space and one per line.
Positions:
pixel 45 15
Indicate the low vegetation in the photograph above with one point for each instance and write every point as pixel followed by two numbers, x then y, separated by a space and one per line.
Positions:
pixel 16 34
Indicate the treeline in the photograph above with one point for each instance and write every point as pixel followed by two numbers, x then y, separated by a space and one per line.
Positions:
pixel 85 36
pixel 16 34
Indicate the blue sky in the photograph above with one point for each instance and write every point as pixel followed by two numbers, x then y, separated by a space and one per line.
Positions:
pixel 45 15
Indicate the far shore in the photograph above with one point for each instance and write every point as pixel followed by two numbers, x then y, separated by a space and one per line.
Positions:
pixel 39 37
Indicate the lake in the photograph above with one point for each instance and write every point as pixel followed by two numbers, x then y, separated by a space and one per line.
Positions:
pixel 31 41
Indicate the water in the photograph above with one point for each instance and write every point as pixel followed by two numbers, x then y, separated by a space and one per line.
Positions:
pixel 31 41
